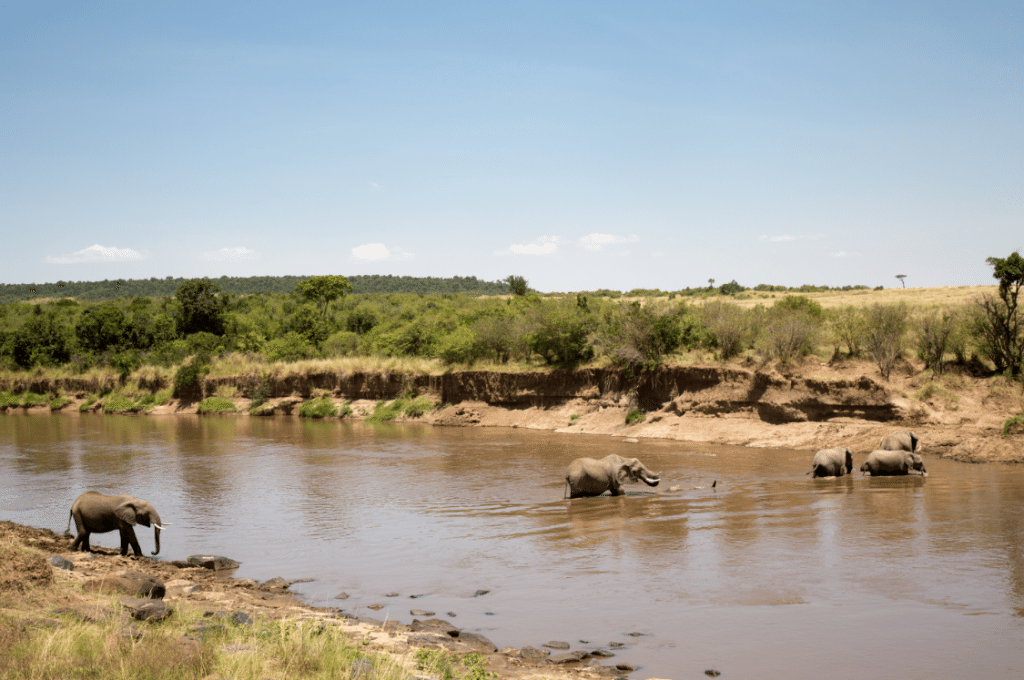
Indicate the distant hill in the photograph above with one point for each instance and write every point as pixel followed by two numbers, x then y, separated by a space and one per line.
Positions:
pixel 97 291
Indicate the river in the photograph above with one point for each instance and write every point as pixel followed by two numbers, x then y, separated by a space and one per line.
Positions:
pixel 769 575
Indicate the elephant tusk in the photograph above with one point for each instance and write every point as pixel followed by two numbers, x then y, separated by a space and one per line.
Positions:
pixel 160 526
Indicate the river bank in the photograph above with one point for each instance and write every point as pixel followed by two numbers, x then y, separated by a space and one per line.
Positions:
pixel 205 615
pixel 806 406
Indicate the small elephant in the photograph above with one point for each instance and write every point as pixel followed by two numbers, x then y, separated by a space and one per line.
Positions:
pixel 881 462
pixel 99 513
pixel 592 477
pixel 832 463
pixel 901 441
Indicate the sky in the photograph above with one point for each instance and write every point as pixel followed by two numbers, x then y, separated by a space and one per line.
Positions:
pixel 582 145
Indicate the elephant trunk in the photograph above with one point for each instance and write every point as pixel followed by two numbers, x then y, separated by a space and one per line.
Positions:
pixel 650 481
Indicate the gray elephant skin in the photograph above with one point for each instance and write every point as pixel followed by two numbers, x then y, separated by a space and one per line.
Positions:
pixel 880 463
pixel 832 463
pixel 901 441
pixel 97 513
pixel 592 477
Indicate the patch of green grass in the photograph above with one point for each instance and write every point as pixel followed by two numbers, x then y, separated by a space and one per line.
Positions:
pixel 213 405
pixel 1014 425
pixel 384 412
pixel 934 390
pixel 30 399
pixel 87 404
pixel 635 416
pixel 59 402
pixel 119 403
pixel 318 408
pixel 419 406
pixel 8 400
pixel 345 411
pixel 447 666
pixel 574 417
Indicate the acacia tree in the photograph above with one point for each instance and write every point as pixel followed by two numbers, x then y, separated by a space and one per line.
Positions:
pixel 323 290
pixel 1001 323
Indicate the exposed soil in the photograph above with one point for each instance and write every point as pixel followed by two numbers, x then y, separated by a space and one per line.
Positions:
pixel 807 406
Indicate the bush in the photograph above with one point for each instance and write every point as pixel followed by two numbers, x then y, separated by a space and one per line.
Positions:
pixel 43 340
pixel 125 362
pixel 933 336
pixel 30 399
pixel 201 309
pixel 187 379
pixel 212 405
pixel 342 344
pixel 87 404
pixel 120 403
pixel 1014 425
pixel 317 408
pixel 203 342
pixel 561 333
pixel 728 325
pixel 170 353
pixel 459 347
pixel 495 337
pixel 101 327
pixel 292 347
pixel 637 336
pixel 58 403
pixel 635 416
pixel 999 323
pixel 262 393
pixel 849 327
pixel 885 334
pixel 384 412
pixel 790 328
pixel 418 407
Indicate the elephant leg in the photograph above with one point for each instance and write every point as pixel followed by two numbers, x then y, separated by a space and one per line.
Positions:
pixel 128 538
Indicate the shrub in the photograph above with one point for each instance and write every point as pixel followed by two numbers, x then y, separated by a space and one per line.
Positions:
pixel 884 337
pixel 58 403
pixel 212 405
pixel 87 404
pixel 317 408
pixel 125 362
pixel 459 347
pixel 345 410
pixel 790 328
pixel 384 412
pixel 728 325
pixel 170 353
pixel 418 407
pixel 101 327
pixel 342 344
pixel 495 337
pixel 292 347
pixel 1014 425
pixel 635 416
pixel 203 342
pixel 201 309
pixel 561 333
pixel 262 393
pixel 43 340
pixel 849 327
pixel 8 400
pixel 934 332
pixel 187 379
pixel 999 324
pixel 637 336
pixel 120 403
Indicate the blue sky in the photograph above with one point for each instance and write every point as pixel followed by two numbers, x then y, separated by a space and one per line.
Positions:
pixel 582 145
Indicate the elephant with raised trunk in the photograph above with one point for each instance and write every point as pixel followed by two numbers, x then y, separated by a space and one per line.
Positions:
pixel 881 463
pixel 97 513
pixel 592 477
pixel 832 463
pixel 901 441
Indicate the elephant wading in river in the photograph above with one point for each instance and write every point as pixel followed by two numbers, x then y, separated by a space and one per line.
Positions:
pixel 592 477
pixel 881 463
pixel 832 463
pixel 901 441
pixel 97 513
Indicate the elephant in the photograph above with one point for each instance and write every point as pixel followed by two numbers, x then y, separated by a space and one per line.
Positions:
pixel 882 462
pixel 592 477
pixel 901 441
pixel 832 463
pixel 99 513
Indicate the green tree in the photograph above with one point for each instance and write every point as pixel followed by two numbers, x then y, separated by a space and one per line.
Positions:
pixel 517 284
pixel 43 340
pixel 201 308
pixel 1000 325
pixel 102 327
pixel 322 290
pixel 885 335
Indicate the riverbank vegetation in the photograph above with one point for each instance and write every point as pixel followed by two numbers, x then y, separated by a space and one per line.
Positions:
pixel 205 332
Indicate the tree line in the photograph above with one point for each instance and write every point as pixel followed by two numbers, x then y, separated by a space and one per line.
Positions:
pixel 325 316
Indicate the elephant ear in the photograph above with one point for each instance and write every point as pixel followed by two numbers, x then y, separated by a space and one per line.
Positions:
pixel 126 512
pixel 913 442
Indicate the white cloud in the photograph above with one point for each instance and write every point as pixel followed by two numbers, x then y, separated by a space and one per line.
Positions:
pixel 236 254
pixel 843 254
pixel 97 253
pixel 378 251
pixel 788 237
pixel 545 245
pixel 597 241
pixel 374 185
pixel 657 253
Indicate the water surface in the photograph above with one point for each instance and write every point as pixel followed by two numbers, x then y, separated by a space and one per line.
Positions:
pixel 771 575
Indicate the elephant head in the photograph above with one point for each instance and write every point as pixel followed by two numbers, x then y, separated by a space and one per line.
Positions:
pixel 631 471
pixel 915 462
pixel 134 511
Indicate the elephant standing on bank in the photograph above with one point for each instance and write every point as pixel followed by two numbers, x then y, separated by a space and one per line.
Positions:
pixel 592 477
pixel 832 463
pixel 901 441
pixel 97 513
pixel 880 463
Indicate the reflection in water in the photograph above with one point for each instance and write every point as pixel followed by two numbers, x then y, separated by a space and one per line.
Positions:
pixel 897 564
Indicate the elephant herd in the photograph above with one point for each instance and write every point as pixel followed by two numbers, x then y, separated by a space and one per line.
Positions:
pixel 898 454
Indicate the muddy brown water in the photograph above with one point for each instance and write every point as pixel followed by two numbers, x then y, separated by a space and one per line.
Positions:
pixel 771 575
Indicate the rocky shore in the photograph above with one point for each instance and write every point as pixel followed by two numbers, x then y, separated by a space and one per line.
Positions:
pixel 148 593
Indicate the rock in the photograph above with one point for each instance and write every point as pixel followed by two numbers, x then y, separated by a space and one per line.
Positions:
pixel 60 562
pixel 674 488
pixel 533 654
pixel 478 642
pixel 480 592
pixel 631 440
pixel 94 614
pixel 214 562
pixel 204 629
pixel 132 583
pixel 197 588
pixel 375 607
pixel 413 597
pixel 434 626
pixel 241 618
pixel 601 654
pixel 571 657
pixel 431 641
pixel 616 645
pixel 391 595
pixel 341 596
pixel 247 582
pixel 420 612
pixel 276 582
pixel 451 614
pixel 182 564
pixel 557 644
pixel 146 610
pixel 629 668
pixel 510 651
pixel 488 613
